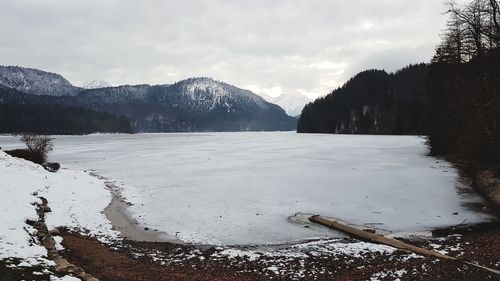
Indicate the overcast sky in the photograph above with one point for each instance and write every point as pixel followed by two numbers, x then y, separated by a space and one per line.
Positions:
pixel 268 46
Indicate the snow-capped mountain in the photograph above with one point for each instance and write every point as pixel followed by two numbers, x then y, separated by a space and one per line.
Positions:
pixel 195 104
pixel 210 93
pixel 97 84
pixel 36 82
pixel 291 103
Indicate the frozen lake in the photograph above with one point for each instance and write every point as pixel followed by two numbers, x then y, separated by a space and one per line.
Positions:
pixel 242 188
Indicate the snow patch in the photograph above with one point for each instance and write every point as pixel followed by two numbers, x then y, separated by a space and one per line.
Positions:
pixel 97 84
pixel 76 199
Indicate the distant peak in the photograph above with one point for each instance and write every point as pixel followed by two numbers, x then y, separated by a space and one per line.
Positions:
pixel 97 84
pixel 292 103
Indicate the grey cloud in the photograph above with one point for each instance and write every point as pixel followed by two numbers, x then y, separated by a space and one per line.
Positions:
pixel 307 46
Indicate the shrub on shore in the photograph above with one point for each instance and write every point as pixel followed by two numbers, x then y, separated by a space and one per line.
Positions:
pixel 38 147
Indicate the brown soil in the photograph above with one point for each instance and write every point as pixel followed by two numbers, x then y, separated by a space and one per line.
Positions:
pixel 487 182
pixel 107 264
pixel 481 244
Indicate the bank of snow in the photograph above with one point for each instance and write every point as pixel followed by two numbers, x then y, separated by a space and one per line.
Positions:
pixel 75 197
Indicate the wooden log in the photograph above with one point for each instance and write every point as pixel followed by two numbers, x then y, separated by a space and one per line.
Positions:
pixel 377 238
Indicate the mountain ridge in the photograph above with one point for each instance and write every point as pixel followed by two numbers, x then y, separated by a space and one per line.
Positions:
pixel 36 82
pixel 193 104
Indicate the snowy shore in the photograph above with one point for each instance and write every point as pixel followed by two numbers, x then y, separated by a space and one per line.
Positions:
pixel 76 200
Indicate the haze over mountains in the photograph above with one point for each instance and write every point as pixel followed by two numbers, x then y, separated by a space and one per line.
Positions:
pixel 195 104
pixel 97 84
pixel 291 103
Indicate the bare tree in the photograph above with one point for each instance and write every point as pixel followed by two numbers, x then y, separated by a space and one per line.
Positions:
pixel 473 17
pixel 494 13
pixel 453 47
pixel 38 145
pixel 472 30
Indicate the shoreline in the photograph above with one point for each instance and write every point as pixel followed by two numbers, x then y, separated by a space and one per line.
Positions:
pixel 117 212
pixel 337 259
pixel 122 221
pixel 343 260
pixel 155 255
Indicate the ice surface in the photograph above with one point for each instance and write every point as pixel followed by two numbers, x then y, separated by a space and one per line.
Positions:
pixel 242 188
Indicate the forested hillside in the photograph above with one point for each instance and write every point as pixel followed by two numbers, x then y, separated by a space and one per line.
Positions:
pixel 373 102
pixel 463 98
pixel 19 116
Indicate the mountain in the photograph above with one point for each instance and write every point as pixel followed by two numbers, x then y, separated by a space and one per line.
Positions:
pixel 291 103
pixel 36 82
pixel 372 102
pixel 196 104
pixel 97 84
pixel 191 105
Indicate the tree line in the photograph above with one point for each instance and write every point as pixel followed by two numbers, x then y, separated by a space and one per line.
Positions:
pixel 462 101
pixel 56 120
pixel 22 113
pixel 472 30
